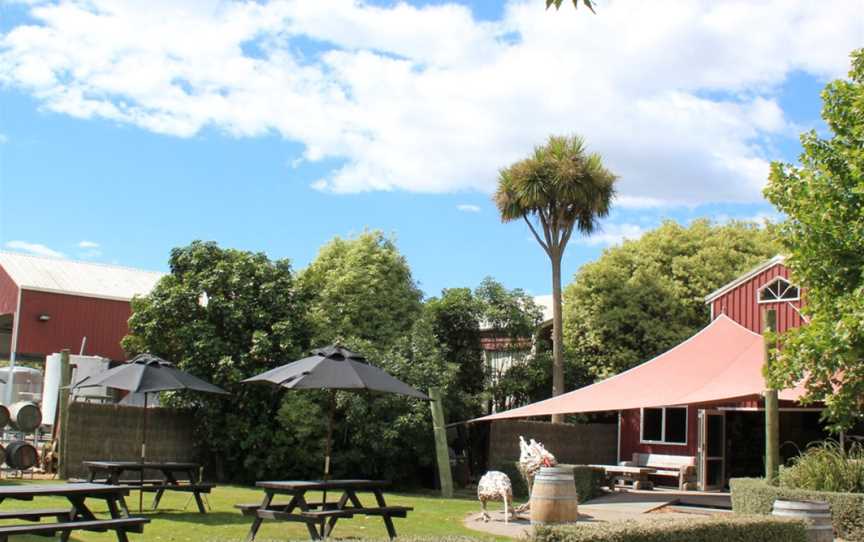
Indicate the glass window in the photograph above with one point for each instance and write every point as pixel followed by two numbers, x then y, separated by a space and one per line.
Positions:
pixel 676 425
pixel 652 424
pixel 665 425
pixel 779 289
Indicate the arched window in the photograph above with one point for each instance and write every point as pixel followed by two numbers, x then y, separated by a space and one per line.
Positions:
pixel 779 289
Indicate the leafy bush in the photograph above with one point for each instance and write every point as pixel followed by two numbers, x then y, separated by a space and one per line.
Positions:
pixel 716 529
pixel 589 481
pixel 755 496
pixel 827 467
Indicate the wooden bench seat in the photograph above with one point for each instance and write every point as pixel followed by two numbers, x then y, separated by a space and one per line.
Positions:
pixel 134 524
pixel 392 511
pixel 681 468
pixel 312 516
pixel 62 514
pixel 198 488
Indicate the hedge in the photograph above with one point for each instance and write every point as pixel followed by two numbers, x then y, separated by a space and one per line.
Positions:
pixel 726 528
pixel 589 481
pixel 755 496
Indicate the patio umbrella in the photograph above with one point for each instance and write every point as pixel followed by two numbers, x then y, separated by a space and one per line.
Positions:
pixel 335 368
pixel 146 373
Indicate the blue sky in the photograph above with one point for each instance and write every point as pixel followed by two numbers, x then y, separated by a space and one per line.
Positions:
pixel 276 126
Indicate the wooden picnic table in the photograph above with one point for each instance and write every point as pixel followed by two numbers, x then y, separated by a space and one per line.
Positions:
pixel 321 517
pixel 78 517
pixel 176 476
pixel 638 476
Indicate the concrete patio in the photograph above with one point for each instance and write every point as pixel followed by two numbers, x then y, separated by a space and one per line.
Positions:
pixel 617 506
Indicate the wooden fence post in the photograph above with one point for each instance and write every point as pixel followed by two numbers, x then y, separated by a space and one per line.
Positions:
pixel 441 452
pixel 772 412
pixel 63 412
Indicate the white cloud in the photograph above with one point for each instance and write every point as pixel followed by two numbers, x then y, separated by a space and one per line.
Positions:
pixel 35 249
pixel 679 97
pixel 611 234
pixel 468 208
pixel 4 139
pixel 88 244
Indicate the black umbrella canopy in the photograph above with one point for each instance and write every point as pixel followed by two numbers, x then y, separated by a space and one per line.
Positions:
pixel 147 373
pixel 336 368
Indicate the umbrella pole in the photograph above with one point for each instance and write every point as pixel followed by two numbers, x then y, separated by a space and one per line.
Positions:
pixel 329 443
pixel 143 456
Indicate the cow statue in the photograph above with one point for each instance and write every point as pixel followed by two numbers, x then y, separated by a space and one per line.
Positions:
pixel 532 457
pixel 495 486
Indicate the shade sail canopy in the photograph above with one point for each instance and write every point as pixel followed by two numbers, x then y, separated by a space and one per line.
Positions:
pixel 147 373
pixel 335 368
pixel 721 362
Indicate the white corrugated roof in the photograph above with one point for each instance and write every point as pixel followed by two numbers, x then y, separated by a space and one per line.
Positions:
pixel 77 278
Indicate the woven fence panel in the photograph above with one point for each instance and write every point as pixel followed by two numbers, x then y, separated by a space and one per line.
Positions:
pixel 112 432
pixel 578 444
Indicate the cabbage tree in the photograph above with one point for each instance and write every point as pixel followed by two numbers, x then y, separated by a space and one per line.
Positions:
pixel 559 189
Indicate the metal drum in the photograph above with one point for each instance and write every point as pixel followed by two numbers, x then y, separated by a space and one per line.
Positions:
pixel 25 416
pixel 4 416
pixel 817 515
pixel 21 455
pixel 553 497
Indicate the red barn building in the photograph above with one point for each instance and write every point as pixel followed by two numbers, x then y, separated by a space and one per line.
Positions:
pixel 702 401
pixel 49 304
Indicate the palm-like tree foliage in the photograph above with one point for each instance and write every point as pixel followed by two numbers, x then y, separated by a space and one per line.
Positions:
pixel 560 188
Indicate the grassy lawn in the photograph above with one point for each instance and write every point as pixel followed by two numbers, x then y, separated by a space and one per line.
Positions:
pixel 432 516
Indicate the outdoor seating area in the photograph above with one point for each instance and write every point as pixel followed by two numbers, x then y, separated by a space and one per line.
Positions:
pixel 320 517
pixel 176 476
pixel 432 271
pixel 77 517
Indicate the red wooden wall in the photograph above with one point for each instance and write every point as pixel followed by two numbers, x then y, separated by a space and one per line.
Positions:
pixel 741 305
pixel 631 429
pixel 102 321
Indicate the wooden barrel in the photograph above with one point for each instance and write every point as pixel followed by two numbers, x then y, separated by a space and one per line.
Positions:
pixel 816 513
pixel 4 416
pixel 21 455
pixel 25 416
pixel 553 497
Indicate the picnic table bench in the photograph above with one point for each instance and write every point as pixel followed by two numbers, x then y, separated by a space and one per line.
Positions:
pixel 619 475
pixel 76 518
pixel 320 517
pixel 176 476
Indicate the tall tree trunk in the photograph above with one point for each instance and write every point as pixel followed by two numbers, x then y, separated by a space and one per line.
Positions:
pixel 557 333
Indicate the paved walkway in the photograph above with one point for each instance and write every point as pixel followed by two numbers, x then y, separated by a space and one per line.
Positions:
pixel 611 507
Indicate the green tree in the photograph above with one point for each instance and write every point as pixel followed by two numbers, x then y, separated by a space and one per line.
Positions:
pixel 823 199
pixel 225 315
pixel 557 3
pixel 361 288
pixel 645 296
pixel 559 189
pixel 362 294
pixel 455 319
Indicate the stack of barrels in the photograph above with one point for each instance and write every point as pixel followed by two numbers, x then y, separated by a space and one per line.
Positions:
pixel 23 416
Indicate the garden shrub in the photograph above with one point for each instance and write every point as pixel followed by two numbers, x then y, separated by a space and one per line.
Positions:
pixel 589 481
pixel 755 496
pixel 727 528
pixel 826 467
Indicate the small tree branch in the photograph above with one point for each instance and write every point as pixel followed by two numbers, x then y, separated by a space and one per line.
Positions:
pixel 545 223
pixel 542 244
pixel 568 231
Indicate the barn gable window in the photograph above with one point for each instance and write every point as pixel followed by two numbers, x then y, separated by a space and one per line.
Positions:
pixel 664 425
pixel 779 289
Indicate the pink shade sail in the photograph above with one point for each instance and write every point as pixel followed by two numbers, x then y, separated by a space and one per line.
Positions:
pixel 721 362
